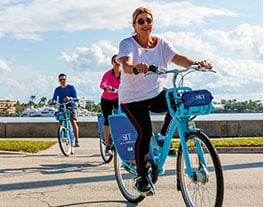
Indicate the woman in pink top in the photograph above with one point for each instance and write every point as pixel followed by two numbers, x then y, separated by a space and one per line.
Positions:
pixel 109 99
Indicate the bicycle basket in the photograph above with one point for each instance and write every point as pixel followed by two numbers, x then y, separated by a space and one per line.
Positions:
pixel 100 120
pixel 124 136
pixel 189 102
pixel 61 116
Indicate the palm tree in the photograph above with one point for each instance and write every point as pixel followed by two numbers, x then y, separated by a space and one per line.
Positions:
pixel 32 98
pixel 43 101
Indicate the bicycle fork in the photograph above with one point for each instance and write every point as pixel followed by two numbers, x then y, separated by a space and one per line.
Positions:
pixel 200 174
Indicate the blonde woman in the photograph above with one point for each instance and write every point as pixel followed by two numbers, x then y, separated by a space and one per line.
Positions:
pixel 140 94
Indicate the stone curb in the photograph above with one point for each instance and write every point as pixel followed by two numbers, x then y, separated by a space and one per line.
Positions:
pixel 245 150
pixel 220 150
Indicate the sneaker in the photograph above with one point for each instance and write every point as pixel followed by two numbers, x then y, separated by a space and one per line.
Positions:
pixel 142 186
pixel 108 151
pixel 77 144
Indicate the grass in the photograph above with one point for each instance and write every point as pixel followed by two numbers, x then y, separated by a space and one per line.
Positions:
pixel 36 146
pixel 231 142
pixel 25 145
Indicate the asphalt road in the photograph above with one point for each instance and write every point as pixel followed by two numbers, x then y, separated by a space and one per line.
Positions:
pixel 48 179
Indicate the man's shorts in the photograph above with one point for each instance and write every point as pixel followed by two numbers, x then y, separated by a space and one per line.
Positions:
pixel 74 113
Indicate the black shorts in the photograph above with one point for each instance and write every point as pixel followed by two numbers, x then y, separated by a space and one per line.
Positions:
pixel 107 107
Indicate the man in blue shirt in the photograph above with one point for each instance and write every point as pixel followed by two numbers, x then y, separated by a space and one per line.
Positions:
pixel 66 92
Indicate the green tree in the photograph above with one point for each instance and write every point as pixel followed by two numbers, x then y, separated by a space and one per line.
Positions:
pixel 32 100
pixel 43 101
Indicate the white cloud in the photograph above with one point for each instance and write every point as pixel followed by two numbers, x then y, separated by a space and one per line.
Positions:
pixel 98 56
pixel 189 44
pixel 246 41
pixel 184 14
pixel 24 36
pixel 42 16
pixel 4 67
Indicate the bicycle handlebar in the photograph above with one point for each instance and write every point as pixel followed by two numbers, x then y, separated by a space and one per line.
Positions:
pixel 65 103
pixel 153 69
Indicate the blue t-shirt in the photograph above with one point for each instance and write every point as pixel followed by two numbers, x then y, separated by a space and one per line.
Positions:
pixel 60 92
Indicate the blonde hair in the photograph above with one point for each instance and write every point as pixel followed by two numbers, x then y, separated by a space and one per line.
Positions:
pixel 140 10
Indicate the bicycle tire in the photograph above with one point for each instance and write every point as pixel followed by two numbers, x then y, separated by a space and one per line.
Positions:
pixel 126 180
pixel 64 141
pixel 212 186
pixel 105 158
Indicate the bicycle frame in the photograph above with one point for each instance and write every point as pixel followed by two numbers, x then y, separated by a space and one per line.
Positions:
pixel 193 174
pixel 67 123
pixel 65 134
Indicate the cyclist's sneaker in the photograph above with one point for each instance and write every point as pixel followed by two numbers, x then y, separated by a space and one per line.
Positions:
pixel 161 139
pixel 142 186
pixel 172 152
pixel 77 144
pixel 108 151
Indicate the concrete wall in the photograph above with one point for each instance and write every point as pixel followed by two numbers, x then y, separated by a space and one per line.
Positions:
pixel 89 129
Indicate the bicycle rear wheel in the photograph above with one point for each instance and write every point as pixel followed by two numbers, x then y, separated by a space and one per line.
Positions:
pixel 64 141
pixel 125 180
pixel 205 188
pixel 105 158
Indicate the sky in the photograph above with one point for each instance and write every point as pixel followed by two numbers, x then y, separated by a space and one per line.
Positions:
pixel 40 39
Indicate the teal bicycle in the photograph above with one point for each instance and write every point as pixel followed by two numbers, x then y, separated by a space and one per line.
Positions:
pixel 198 170
pixel 66 136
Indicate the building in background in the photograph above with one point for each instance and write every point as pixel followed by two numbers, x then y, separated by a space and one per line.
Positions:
pixel 7 107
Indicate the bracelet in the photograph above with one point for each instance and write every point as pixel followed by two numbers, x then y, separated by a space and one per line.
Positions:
pixel 135 71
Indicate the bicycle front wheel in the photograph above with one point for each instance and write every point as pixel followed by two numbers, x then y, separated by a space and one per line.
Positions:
pixel 105 158
pixel 206 187
pixel 125 178
pixel 64 141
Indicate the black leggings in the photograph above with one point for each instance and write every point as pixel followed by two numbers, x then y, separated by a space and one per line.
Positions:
pixel 139 114
pixel 107 107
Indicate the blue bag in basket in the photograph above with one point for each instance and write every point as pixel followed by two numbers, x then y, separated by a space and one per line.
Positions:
pixel 124 136
pixel 59 115
pixel 196 98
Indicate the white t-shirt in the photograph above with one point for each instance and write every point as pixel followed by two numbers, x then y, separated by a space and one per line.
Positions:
pixel 139 87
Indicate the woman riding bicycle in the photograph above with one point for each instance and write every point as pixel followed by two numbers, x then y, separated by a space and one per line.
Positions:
pixel 109 99
pixel 140 94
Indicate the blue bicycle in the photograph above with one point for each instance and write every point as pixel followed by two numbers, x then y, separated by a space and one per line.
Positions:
pixel 66 136
pixel 198 170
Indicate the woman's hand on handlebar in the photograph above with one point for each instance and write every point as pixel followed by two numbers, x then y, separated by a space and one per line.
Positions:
pixel 205 64
pixel 141 67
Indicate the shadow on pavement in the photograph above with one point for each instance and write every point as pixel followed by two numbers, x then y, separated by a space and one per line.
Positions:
pixel 63 168
pixel 100 202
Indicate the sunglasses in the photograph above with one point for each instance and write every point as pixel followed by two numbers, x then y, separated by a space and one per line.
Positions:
pixel 62 79
pixel 142 21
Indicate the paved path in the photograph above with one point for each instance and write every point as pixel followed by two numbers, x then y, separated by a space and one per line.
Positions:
pixel 48 179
